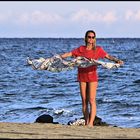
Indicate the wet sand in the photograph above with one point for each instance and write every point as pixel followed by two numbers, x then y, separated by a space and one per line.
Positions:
pixel 58 131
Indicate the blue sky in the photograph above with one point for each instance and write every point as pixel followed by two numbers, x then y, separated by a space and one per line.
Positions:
pixel 69 18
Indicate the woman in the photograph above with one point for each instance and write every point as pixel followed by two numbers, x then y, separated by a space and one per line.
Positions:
pixel 88 77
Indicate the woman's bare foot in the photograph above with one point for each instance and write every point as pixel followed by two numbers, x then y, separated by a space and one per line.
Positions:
pixel 90 125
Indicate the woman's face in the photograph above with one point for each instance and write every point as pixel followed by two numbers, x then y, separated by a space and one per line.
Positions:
pixel 91 38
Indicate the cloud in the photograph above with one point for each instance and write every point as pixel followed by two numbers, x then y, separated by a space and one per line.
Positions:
pixel 137 15
pixel 38 18
pixel 85 15
pixel 131 15
pixel 109 17
pixel 82 16
pixel 4 17
pixel 128 15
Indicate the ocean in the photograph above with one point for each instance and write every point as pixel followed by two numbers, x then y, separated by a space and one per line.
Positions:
pixel 26 94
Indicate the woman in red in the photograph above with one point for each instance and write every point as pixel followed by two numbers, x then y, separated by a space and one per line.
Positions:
pixel 88 77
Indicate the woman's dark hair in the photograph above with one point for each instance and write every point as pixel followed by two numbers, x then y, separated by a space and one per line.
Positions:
pixel 86 34
pixel 90 31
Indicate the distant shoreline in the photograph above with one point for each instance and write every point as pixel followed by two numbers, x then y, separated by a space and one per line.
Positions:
pixel 58 131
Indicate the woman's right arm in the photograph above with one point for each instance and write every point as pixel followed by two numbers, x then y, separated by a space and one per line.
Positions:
pixel 65 55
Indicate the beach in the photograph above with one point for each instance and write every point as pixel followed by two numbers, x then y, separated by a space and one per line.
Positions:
pixel 58 131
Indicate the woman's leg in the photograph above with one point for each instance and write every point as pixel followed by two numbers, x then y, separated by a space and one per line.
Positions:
pixel 92 86
pixel 84 96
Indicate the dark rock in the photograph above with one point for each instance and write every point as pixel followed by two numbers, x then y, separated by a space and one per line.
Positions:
pixel 45 118
pixel 98 122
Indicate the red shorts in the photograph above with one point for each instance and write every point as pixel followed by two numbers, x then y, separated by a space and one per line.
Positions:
pixel 87 74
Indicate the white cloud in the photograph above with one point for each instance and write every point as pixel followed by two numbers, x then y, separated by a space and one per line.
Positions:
pixel 44 17
pixel 137 15
pixel 4 17
pixel 82 15
pixel 109 17
pixel 23 19
pixel 132 15
pixel 129 14
pixel 38 18
pixel 85 15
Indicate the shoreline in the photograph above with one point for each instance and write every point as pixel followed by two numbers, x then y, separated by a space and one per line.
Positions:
pixel 10 130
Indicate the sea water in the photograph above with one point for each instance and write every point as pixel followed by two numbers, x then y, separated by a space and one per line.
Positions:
pixel 26 94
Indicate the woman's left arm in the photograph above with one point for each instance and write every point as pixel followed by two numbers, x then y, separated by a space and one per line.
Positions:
pixel 112 58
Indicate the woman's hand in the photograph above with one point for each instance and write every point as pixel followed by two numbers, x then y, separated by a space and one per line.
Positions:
pixel 120 62
pixel 65 55
pixel 116 60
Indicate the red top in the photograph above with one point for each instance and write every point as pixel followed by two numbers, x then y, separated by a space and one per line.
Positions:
pixel 88 74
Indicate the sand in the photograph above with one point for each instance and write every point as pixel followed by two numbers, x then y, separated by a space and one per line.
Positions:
pixel 58 131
